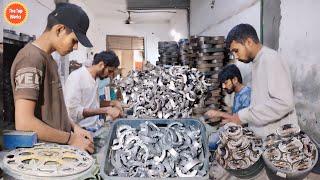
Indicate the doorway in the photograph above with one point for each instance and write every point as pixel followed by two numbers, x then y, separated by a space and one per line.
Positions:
pixel 129 49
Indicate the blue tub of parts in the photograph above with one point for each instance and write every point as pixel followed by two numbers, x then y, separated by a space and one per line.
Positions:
pixel 105 163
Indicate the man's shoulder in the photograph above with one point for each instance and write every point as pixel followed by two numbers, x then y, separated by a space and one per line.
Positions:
pixel 271 54
pixel 246 91
pixel 29 55
pixel 76 76
pixel 77 73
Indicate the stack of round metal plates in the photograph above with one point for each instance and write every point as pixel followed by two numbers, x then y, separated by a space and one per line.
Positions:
pixel 210 60
pixel 47 161
pixel 169 53
pixel 187 56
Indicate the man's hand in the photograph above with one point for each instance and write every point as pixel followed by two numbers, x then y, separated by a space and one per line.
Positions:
pixel 212 113
pixel 81 142
pixel 118 105
pixel 113 112
pixel 78 130
pixel 234 119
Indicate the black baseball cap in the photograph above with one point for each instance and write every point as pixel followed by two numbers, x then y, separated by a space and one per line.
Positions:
pixel 74 18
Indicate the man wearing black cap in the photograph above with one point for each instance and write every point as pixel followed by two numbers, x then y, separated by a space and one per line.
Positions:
pixel 38 96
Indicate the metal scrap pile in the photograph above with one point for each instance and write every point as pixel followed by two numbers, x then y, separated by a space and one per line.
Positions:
pixel 290 149
pixel 239 147
pixel 163 92
pixel 169 53
pixel 150 151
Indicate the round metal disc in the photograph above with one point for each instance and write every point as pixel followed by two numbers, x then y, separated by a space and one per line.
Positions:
pixel 48 160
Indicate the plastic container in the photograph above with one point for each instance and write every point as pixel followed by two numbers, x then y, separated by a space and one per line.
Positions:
pixel 106 166
pixel 275 173
pixel 316 168
pixel 249 172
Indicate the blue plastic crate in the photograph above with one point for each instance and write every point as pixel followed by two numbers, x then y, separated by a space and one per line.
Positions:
pixel 106 166
pixel 18 139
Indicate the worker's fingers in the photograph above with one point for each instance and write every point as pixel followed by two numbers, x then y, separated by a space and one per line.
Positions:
pixel 207 114
pixel 89 137
pixel 90 149
pixel 211 120
pixel 89 146
pixel 224 121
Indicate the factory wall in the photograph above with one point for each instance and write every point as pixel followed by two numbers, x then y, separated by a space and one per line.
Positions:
pixel 152 32
pixel 179 26
pixel 224 15
pixel 299 44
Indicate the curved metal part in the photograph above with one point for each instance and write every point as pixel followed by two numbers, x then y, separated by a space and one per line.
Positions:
pixel 180 174
pixel 290 145
pixel 288 130
pixel 189 98
pixel 190 165
pixel 161 158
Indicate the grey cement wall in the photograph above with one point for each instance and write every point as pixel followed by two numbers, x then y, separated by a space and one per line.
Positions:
pixel 222 18
pixel 271 17
pixel 299 43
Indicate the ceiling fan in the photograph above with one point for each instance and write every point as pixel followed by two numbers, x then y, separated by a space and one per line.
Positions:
pixel 129 20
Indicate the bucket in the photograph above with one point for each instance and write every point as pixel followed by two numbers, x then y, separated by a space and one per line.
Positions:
pixel 249 172
pixel 316 168
pixel 275 173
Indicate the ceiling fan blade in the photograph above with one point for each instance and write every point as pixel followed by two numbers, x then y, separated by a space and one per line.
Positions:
pixel 122 11
pixel 160 11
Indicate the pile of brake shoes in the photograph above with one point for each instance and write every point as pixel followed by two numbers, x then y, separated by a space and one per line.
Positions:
pixel 47 160
pixel 169 53
pixel 210 59
pixel 150 151
pixel 164 93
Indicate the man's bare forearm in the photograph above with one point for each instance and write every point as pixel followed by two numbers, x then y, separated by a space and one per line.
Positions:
pixel 225 115
pixel 92 112
pixel 26 121
pixel 104 103
pixel 44 132
pixel 232 117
